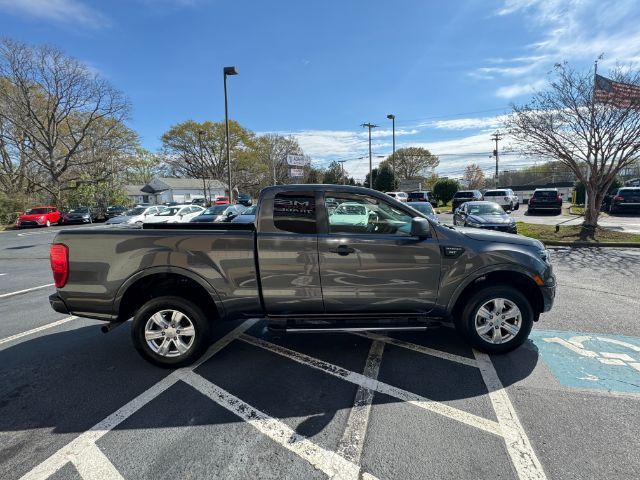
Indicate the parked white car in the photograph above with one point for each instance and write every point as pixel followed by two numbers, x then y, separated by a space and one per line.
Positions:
pixel 135 215
pixel 505 197
pixel 400 196
pixel 176 214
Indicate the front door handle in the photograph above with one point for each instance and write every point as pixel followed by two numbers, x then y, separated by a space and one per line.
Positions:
pixel 342 250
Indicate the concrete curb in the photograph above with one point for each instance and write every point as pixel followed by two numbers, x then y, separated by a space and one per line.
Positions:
pixel 559 243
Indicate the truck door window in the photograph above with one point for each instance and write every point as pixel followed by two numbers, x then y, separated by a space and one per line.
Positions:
pixel 363 214
pixel 295 213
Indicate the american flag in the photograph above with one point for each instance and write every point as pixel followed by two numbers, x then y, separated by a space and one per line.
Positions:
pixel 618 94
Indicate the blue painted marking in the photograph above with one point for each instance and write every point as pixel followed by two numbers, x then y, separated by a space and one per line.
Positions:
pixel 591 360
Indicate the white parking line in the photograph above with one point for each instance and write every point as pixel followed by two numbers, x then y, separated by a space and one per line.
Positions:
pixel 519 448
pixel 352 443
pixel 92 464
pixel 36 330
pixel 419 348
pixel 11 294
pixel 328 462
pixel 380 387
pixel 76 447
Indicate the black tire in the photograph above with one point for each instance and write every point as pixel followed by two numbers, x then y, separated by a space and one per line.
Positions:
pixel 559 211
pixel 530 211
pixel 466 323
pixel 518 206
pixel 200 340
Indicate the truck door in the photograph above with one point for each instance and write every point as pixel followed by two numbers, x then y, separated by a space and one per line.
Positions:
pixel 287 242
pixel 369 262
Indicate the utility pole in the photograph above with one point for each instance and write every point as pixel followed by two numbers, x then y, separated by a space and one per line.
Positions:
pixel 370 126
pixel 341 162
pixel 204 175
pixel 496 137
pixel 392 117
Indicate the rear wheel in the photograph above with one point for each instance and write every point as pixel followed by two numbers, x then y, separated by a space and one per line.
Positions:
pixel 170 332
pixel 497 319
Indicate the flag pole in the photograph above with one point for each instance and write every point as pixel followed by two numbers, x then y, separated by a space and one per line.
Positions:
pixel 593 106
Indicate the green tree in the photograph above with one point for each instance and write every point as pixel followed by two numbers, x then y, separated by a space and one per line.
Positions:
pixel 333 174
pixel 198 150
pixel 384 180
pixel 414 162
pixel 374 175
pixel 445 189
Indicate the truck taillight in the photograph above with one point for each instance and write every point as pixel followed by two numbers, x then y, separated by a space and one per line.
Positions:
pixel 59 257
pixel 559 199
pixel 618 198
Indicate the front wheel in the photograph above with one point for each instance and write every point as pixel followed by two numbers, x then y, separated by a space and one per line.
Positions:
pixel 497 319
pixel 170 332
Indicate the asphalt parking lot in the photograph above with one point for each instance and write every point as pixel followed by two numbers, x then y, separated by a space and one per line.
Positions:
pixel 76 403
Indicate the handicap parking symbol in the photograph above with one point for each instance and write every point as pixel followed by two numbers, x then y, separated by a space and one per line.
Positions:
pixel 595 361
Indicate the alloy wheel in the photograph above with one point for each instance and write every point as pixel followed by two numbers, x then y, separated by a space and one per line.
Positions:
pixel 498 321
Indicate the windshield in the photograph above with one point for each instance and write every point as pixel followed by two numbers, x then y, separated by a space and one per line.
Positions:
pixel 113 208
pixel 169 212
pixel 217 210
pixel 464 195
pixel 135 211
pixel 250 211
pixel 485 209
pixel 345 209
pixel 545 194
pixel 35 211
pixel 417 194
pixel 425 208
pixel 79 210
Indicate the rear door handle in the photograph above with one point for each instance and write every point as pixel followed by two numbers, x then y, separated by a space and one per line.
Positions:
pixel 342 250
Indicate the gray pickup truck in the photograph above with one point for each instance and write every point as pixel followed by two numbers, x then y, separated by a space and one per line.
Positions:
pixel 318 258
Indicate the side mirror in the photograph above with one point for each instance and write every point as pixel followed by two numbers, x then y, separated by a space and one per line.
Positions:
pixel 420 227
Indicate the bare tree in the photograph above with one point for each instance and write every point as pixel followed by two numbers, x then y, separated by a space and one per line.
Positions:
pixel 55 104
pixel 272 150
pixel 594 139
pixel 474 176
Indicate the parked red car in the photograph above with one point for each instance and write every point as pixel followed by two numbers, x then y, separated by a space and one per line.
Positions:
pixel 221 201
pixel 39 217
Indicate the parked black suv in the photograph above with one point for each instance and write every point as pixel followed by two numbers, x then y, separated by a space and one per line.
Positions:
pixel 245 199
pixel 424 196
pixel 625 199
pixel 545 199
pixel 463 196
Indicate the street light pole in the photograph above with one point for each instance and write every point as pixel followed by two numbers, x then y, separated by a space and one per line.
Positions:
pixel 392 117
pixel 228 71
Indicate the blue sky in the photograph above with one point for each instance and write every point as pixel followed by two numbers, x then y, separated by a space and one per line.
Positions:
pixel 317 70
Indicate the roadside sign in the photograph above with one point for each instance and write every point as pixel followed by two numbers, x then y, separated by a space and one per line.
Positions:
pixel 591 360
pixel 296 160
pixel 296 172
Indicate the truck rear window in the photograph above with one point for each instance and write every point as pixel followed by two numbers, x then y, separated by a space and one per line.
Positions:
pixel 545 194
pixel 295 213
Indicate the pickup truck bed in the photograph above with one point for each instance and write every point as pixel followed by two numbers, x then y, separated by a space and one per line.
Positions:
pixel 364 261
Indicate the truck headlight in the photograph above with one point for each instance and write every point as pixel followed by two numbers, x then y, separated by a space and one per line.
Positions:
pixel 474 224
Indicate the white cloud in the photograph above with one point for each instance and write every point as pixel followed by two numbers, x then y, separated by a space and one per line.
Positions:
pixel 573 30
pixel 470 123
pixel 516 90
pixel 59 11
